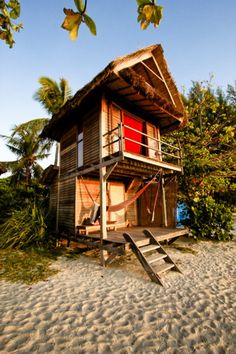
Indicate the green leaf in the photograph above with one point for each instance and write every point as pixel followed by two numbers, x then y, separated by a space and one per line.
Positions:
pixel 142 2
pixel 79 4
pixel 149 13
pixel 90 24
pixel 15 12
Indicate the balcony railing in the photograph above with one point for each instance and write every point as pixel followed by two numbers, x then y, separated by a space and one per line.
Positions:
pixel 148 147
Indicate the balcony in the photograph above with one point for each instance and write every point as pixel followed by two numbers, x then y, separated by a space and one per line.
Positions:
pixel 125 142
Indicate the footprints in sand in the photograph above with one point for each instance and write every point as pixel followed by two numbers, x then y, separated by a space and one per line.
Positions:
pixel 88 309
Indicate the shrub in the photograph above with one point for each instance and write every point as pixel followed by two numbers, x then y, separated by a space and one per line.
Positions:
pixel 209 219
pixel 26 228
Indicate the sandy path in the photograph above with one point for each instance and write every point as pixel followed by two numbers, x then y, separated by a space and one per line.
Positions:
pixel 88 309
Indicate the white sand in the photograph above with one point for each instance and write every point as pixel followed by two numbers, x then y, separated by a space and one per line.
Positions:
pixel 88 309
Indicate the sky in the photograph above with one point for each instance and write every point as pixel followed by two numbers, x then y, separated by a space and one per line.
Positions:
pixel 198 38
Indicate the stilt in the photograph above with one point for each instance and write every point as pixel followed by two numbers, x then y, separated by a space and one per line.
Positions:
pixel 103 216
pixel 164 202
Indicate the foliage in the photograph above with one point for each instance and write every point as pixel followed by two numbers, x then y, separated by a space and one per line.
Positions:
pixel 11 198
pixel 149 12
pixel 26 143
pixel 26 266
pixel 209 219
pixel 26 228
pixel 73 20
pixel 52 95
pixel 209 148
pixel 9 11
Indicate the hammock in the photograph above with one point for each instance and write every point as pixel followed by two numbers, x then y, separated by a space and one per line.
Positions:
pixel 113 208
pixel 126 203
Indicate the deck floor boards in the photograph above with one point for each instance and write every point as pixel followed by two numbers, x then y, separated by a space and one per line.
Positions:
pixel 160 233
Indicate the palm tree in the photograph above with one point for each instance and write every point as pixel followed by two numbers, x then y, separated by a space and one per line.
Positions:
pixel 29 148
pixel 52 97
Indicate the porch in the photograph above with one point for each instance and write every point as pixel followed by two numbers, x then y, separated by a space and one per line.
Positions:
pixel 115 242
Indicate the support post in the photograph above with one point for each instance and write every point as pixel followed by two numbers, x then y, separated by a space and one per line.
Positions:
pixel 58 191
pixel 102 177
pixel 103 211
pixel 164 202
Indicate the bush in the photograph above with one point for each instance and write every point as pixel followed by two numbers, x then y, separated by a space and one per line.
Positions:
pixel 26 228
pixel 209 219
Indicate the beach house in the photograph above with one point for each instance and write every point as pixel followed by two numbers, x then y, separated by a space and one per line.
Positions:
pixel 116 168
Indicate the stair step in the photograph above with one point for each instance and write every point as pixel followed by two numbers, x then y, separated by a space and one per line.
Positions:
pixel 156 257
pixel 149 248
pixel 163 268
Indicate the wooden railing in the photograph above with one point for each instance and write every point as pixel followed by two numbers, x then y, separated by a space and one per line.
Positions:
pixel 152 148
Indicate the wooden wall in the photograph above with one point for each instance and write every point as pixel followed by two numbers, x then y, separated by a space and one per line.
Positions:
pixel 68 151
pixel 84 202
pixel 53 196
pixel 67 205
pixel 69 211
pixel 91 135
pixel 68 164
pixel 171 203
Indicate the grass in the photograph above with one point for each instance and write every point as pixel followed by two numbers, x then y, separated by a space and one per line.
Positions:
pixel 26 266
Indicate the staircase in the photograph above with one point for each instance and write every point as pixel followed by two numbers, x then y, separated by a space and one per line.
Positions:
pixel 152 256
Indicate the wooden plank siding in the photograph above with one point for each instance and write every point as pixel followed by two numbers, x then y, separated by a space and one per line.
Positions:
pixel 66 220
pixel 53 196
pixel 91 136
pixel 84 202
pixel 68 163
pixel 68 153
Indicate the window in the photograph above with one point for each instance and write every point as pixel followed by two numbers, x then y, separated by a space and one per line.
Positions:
pixel 80 149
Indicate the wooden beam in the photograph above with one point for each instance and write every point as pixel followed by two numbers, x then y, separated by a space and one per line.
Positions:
pixel 132 61
pixel 103 189
pixel 153 72
pixel 164 202
pixel 109 171
pixel 58 192
pixel 157 163
pixel 171 97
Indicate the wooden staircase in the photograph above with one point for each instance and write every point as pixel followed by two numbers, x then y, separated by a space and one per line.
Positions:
pixel 152 256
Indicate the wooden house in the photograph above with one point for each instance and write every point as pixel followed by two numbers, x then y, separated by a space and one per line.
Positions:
pixel 112 143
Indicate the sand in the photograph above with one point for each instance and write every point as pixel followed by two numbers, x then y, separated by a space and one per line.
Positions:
pixel 89 309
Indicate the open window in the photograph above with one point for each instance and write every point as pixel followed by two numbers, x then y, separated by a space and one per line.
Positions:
pixel 153 141
pixel 80 147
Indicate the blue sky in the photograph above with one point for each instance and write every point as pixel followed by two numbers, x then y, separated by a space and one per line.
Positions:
pixel 198 38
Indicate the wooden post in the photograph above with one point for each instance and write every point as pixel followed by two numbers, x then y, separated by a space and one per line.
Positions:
pixel 121 137
pixel 58 191
pixel 102 173
pixel 164 202
pixel 103 212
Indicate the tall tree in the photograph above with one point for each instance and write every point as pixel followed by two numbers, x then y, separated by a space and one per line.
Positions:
pixel 29 148
pixel 209 149
pixel 52 95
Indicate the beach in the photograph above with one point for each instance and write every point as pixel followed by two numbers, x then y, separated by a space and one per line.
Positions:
pixel 85 308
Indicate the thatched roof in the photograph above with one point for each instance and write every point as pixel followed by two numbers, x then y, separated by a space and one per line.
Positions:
pixel 142 79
